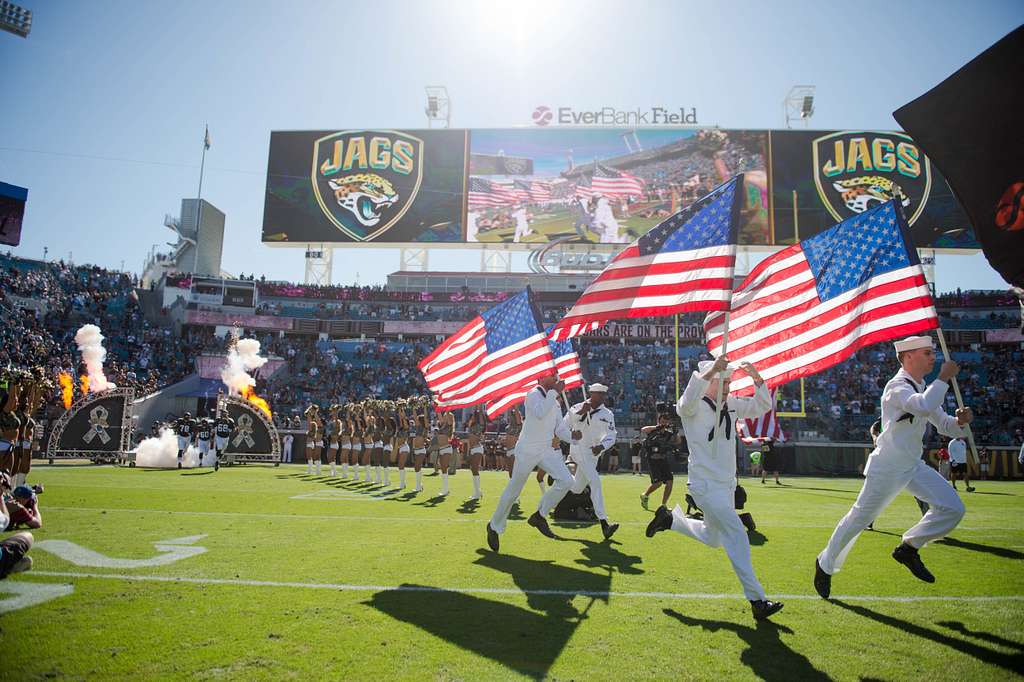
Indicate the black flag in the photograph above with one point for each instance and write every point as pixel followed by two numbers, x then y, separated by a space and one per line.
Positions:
pixel 971 126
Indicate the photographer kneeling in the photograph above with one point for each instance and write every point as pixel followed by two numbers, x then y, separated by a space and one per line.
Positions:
pixel 14 549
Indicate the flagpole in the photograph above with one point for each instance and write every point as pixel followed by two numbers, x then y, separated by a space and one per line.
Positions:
pixel 718 397
pixel 959 398
pixel 677 356
pixel 199 206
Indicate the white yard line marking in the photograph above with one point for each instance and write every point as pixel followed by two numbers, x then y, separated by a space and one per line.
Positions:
pixel 503 590
pixel 421 519
pixel 171 550
pixel 30 594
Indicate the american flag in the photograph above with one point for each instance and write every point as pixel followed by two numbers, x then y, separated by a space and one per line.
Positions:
pixel 493 354
pixel 521 190
pixel 615 183
pixel 567 364
pixel 582 188
pixel 814 304
pixel 483 193
pixel 764 427
pixel 683 264
pixel 540 192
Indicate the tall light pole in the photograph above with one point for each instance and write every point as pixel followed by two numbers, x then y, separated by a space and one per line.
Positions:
pixel 799 105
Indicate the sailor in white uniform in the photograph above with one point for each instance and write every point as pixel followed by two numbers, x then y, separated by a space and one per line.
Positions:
pixel 605 223
pixel 592 427
pixel 712 471
pixel 895 464
pixel 543 423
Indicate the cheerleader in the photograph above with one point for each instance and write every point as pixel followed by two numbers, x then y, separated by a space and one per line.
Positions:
pixel 369 438
pixel 333 428
pixel 355 439
pixel 313 436
pixel 419 426
pixel 445 432
pixel 388 438
pixel 474 447
pixel 401 444
pixel 344 438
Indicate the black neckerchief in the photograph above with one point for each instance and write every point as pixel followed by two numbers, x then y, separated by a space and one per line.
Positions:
pixel 723 417
pixel 906 416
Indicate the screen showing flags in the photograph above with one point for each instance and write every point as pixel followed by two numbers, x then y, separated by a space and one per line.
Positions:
pixel 765 427
pixel 615 183
pixel 492 355
pixel 683 264
pixel 813 304
pixel 484 193
pixel 567 364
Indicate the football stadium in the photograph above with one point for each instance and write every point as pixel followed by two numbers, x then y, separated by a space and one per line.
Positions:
pixel 598 392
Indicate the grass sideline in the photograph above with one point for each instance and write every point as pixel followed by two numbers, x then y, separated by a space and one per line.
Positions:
pixel 299 577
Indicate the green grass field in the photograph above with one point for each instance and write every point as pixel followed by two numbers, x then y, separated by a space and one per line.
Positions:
pixel 305 578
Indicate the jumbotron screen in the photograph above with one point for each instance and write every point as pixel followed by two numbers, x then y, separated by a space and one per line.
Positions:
pixel 532 186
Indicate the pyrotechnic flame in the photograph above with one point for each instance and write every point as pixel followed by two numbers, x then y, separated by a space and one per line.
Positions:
pixel 83 382
pixel 259 402
pixel 67 389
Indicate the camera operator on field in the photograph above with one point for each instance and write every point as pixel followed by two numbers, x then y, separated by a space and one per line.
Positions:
pixel 14 549
pixel 658 443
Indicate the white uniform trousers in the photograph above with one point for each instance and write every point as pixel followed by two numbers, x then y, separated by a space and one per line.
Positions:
pixel 526 459
pixel 944 513
pixel 586 474
pixel 721 527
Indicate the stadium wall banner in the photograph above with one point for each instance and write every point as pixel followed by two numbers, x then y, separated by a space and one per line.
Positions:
pixel 213 318
pixel 1004 336
pixel 691 333
pixel 426 327
pixel 526 187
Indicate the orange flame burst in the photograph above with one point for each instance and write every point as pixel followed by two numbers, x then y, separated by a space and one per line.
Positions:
pixel 67 389
pixel 259 402
pixel 83 382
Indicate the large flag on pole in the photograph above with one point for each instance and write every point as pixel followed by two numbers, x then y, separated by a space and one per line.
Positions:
pixel 615 183
pixel 765 427
pixel 567 365
pixel 683 264
pixel 814 304
pixel 490 356
pixel 970 127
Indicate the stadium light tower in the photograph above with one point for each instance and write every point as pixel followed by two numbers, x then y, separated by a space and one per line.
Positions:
pixel 438 111
pixel 15 19
pixel 799 105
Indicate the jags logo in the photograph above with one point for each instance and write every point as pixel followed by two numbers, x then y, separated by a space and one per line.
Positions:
pixel 365 181
pixel 856 171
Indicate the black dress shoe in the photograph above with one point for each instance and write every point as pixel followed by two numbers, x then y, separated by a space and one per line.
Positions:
pixel 608 528
pixel 909 557
pixel 822 581
pixel 748 521
pixel 492 538
pixel 541 524
pixel 764 608
pixel 662 521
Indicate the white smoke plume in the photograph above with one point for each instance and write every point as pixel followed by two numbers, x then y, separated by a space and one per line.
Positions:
pixel 243 357
pixel 90 345
pixel 162 452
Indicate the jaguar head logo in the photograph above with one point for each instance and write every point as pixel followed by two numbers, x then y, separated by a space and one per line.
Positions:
pixel 863 193
pixel 366 180
pixel 365 195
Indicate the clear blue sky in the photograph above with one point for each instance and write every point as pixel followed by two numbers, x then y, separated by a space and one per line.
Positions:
pixel 135 82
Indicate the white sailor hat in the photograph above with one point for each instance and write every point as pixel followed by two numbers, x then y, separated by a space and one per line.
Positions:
pixel 597 388
pixel 705 365
pixel 913 343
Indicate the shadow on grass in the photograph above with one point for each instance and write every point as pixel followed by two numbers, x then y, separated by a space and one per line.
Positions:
pixel 605 556
pixel 469 507
pixel 528 640
pixel 1003 552
pixel 432 502
pixel 199 473
pixel 766 655
pixel 1011 662
pixel 976 634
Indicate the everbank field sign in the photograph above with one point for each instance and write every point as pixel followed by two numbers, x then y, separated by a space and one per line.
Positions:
pixel 652 116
